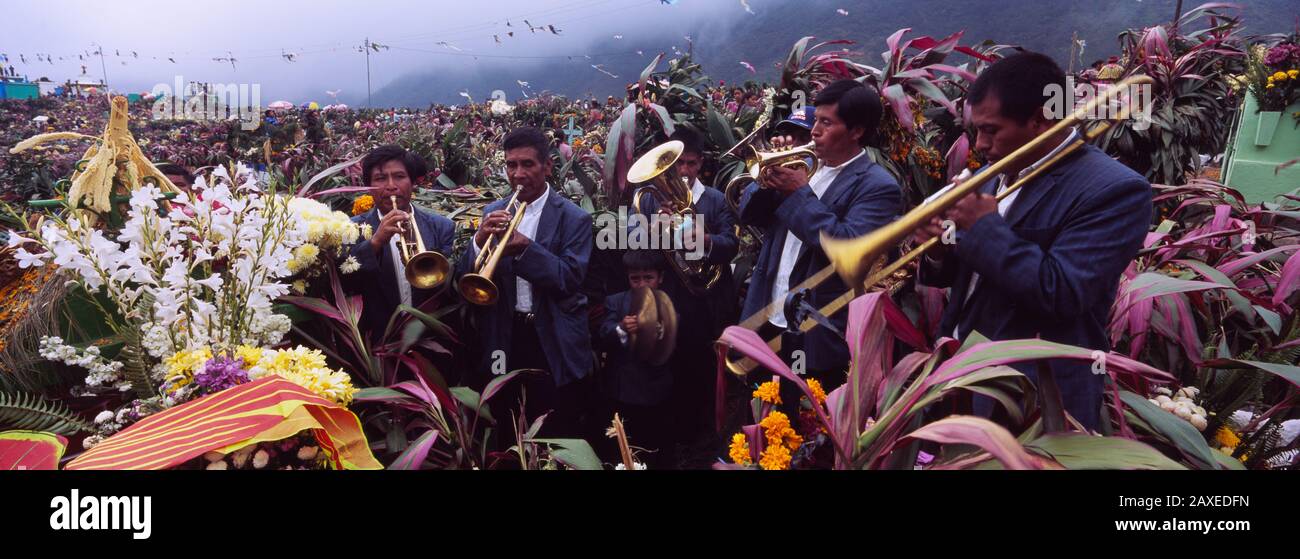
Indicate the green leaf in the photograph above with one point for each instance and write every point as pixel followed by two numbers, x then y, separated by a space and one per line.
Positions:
pixel 1079 451
pixel 1290 373
pixel 1228 462
pixel 574 453
pixel 30 412
pixel 470 399
pixel 720 129
pixel 1178 432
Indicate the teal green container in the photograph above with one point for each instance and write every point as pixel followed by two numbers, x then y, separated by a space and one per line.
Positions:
pixel 1261 143
pixel 19 90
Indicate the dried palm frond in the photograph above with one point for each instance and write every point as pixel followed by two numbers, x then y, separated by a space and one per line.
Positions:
pixel 115 160
pixel 21 364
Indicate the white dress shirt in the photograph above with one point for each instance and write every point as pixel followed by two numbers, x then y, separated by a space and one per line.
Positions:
pixel 1004 205
pixel 819 182
pixel 528 228
pixel 399 269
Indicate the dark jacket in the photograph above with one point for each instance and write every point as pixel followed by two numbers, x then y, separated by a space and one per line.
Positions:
pixel 627 379
pixel 704 316
pixel 377 281
pixel 862 198
pixel 555 264
pixel 1050 268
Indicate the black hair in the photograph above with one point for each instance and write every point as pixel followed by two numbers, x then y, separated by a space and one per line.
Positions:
pixel 415 166
pixel 1020 82
pixel 529 136
pixel 643 260
pixel 174 169
pixel 856 104
pixel 691 140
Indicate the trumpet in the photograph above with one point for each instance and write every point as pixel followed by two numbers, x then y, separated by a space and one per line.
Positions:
pixel 478 287
pixel 857 261
pixel 425 269
pixel 791 158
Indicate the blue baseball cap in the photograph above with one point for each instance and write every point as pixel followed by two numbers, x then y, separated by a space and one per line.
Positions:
pixel 802 117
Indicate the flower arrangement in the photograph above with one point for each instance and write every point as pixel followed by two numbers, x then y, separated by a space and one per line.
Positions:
pixel 1273 75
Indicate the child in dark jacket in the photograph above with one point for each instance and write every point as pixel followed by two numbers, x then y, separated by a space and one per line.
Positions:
pixel 638 391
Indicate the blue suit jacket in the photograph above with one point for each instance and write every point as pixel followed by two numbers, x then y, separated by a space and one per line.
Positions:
pixel 862 198
pixel 1050 268
pixel 703 317
pixel 555 264
pixel 377 281
pixel 625 378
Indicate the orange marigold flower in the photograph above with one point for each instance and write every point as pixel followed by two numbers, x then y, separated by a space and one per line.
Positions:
pixel 739 450
pixel 769 392
pixel 775 457
pixel 819 393
pixel 363 204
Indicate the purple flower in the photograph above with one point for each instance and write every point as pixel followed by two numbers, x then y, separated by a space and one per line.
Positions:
pixel 220 373
pixel 1283 55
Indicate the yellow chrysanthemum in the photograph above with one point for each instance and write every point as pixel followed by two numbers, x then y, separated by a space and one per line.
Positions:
pixel 739 450
pixel 1225 437
pixel 307 368
pixel 363 204
pixel 182 365
pixel 1279 76
pixel 818 392
pixel 250 355
pixel 1293 74
pixel 769 392
pixel 306 255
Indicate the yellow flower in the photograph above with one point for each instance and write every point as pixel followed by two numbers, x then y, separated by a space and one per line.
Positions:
pixel 1279 76
pixel 306 255
pixel 307 368
pixel 739 451
pixel 363 204
pixel 1293 74
pixel 1270 86
pixel 182 365
pixel 250 355
pixel 1225 437
pixel 769 392
pixel 818 392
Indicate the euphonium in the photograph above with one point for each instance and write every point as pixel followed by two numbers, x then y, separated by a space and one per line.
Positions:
pixel 425 269
pixel 478 287
pixel 658 168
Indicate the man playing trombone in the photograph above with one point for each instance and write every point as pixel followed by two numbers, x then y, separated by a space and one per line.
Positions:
pixel 1045 261
pixel 847 197
pixel 392 172
pixel 536 317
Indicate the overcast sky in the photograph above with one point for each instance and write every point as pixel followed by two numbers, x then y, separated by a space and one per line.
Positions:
pixel 323 35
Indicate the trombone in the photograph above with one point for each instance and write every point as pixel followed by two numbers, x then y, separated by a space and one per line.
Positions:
pixel 855 259
pixel 477 287
pixel 425 269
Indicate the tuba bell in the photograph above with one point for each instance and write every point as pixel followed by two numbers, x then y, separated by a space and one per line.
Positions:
pixel 657 169
pixel 425 269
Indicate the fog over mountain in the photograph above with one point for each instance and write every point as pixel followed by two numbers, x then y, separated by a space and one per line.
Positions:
pixel 433 50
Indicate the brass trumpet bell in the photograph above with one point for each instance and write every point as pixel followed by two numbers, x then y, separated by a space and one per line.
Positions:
pixel 478 287
pixel 425 269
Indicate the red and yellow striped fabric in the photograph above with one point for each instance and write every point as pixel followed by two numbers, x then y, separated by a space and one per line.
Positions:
pixel 31 450
pixel 268 409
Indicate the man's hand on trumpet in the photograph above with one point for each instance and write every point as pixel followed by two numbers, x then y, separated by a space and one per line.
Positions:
pixel 390 225
pixel 496 223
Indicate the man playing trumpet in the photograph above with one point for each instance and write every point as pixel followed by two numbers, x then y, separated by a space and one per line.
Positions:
pixel 392 173
pixel 539 319
pixel 847 197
